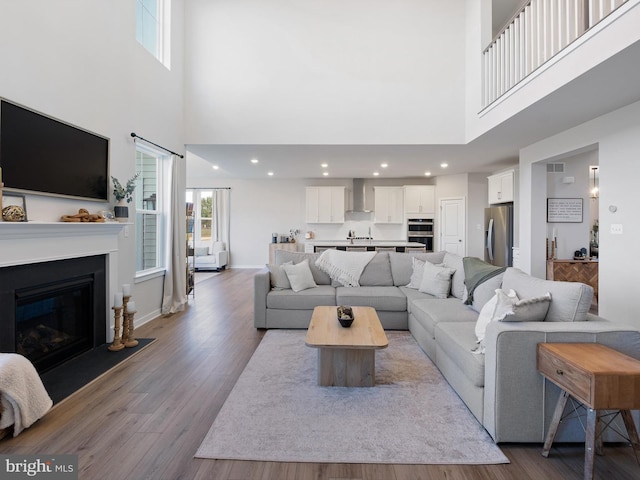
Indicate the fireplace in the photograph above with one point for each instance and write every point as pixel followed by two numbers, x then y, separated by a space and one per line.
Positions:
pixel 53 311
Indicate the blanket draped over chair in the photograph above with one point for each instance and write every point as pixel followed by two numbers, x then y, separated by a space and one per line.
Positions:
pixel 344 267
pixel 22 394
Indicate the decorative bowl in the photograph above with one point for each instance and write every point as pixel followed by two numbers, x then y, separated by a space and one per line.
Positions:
pixel 345 316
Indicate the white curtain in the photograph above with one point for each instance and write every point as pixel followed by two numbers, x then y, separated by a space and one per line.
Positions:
pixel 175 288
pixel 220 227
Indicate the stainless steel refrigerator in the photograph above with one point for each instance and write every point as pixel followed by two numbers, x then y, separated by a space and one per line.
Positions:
pixel 498 228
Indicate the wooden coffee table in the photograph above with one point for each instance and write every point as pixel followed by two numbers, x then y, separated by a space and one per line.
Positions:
pixel 346 356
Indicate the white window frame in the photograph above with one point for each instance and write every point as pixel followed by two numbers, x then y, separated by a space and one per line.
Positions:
pixel 162 17
pixel 142 208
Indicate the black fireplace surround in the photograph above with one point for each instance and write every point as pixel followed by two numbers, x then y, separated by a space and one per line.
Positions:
pixel 53 311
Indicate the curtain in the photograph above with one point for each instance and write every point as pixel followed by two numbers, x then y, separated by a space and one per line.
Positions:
pixel 220 227
pixel 175 289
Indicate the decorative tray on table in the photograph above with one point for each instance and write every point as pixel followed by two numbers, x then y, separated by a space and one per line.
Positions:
pixel 345 316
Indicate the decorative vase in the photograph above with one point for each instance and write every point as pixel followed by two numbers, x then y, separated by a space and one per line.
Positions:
pixel 121 211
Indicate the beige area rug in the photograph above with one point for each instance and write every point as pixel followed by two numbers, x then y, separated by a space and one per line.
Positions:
pixel 276 412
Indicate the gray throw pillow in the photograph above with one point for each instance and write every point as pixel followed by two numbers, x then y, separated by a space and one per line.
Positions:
pixel 279 279
pixel 529 309
pixel 300 276
pixel 436 280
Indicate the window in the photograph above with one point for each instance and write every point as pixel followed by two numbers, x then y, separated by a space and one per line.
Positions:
pixel 150 217
pixel 152 27
pixel 203 214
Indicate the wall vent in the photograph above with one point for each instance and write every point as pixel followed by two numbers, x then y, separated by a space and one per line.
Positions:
pixel 555 167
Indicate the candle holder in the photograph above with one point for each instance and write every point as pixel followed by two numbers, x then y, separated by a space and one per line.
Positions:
pixel 125 320
pixel 131 341
pixel 116 345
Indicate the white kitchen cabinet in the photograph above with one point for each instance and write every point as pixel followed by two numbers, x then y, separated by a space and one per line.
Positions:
pixel 501 187
pixel 325 204
pixel 389 204
pixel 419 200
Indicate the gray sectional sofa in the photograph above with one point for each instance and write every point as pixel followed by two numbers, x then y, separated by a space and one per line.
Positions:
pixel 501 387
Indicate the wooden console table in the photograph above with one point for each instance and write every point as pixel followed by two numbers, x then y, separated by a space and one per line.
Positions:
pixel 584 271
pixel 598 377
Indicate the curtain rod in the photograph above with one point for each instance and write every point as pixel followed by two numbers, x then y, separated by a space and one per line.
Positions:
pixel 159 146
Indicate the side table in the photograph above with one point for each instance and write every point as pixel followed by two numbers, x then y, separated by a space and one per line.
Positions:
pixel 598 377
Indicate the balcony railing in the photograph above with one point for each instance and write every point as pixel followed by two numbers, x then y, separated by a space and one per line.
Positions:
pixel 536 33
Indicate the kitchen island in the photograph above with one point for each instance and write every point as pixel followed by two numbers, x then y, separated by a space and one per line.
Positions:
pixel 317 246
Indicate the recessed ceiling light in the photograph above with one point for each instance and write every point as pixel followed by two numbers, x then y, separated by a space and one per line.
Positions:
pixel 325 173
pixel 254 160
pixel 270 174
pixel 444 165
pixel 375 174
pixel 324 165
pixel 427 174
pixel 384 165
pixel 215 167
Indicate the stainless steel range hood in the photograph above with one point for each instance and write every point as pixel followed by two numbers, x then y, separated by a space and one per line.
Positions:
pixel 359 197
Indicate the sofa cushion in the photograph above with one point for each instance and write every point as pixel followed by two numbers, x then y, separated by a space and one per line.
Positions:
pixel 283 256
pixel 484 292
pixel 299 275
pixel 380 298
pixel 402 267
pixel 454 261
pixel 431 311
pixel 458 340
pixel 412 295
pixel 436 280
pixel 377 272
pixel 416 274
pixel 303 300
pixel 570 300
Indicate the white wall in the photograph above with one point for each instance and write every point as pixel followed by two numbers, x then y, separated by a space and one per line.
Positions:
pixel 308 72
pixel 617 137
pixel 79 61
pixel 573 236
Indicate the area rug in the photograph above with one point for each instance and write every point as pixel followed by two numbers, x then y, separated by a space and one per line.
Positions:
pixel 276 412
pixel 78 372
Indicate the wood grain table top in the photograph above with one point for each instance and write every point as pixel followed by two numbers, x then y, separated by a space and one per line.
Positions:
pixel 366 330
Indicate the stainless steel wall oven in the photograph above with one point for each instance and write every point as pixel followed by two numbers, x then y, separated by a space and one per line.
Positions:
pixel 421 230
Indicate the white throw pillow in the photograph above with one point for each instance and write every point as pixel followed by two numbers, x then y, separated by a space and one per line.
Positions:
pixel 495 309
pixel 436 280
pixel 279 279
pixel 416 275
pixel 529 309
pixel 300 276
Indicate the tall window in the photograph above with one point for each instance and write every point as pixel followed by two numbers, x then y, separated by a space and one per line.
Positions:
pixel 149 211
pixel 203 218
pixel 152 27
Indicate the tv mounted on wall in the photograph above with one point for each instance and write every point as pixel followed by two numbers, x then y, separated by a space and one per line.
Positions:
pixel 39 154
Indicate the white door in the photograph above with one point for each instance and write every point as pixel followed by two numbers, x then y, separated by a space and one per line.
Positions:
pixel 452 226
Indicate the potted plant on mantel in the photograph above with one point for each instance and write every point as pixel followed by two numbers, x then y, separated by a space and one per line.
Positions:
pixel 123 195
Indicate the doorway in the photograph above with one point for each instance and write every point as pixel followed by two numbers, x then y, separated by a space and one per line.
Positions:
pixel 453 232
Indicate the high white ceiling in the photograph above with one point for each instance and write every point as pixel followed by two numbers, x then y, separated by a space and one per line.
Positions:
pixel 611 85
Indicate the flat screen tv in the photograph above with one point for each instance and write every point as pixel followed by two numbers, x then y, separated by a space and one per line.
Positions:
pixel 43 155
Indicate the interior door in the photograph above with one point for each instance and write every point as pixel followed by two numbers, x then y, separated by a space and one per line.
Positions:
pixel 453 226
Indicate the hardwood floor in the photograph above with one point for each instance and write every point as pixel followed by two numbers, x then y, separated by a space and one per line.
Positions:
pixel 146 418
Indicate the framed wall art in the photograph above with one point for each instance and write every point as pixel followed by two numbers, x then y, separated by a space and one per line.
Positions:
pixel 564 210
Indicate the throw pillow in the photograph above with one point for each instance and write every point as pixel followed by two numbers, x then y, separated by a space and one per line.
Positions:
pixel 300 276
pixel 416 275
pixel 279 280
pixel 436 280
pixel 494 310
pixel 529 309
pixel 201 251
